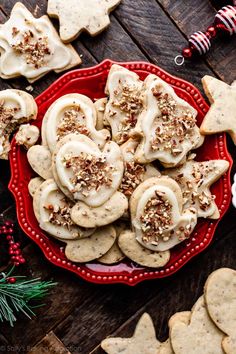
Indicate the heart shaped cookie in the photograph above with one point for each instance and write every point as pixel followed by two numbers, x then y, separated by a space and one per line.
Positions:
pixel 90 175
pixel 156 214
pixel 40 159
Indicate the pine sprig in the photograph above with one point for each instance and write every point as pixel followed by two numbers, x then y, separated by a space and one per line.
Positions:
pixel 18 297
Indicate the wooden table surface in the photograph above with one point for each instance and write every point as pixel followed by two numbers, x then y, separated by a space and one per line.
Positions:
pixel 80 314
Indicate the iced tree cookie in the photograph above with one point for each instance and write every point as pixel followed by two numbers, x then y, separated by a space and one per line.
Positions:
pixel 16 107
pixel 157 214
pixel 76 16
pixel 31 47
pixel 167 125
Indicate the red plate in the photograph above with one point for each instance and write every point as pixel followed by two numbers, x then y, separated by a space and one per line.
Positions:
pixel 91 82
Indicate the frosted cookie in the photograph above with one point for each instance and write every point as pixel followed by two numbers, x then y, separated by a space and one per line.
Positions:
pixel 195 180
pixel 31 47
pixel 100 106
pixel 34 184
pixel 76 16
pixel 40 159
pixel 144 341
pixel 157 217
pixel 92 247
pixel 198 335
pixel 134 173
pixel 16 107
pixel 52 211
pixel 72 113
pixel 114 255
pixel 110 211
pixel 90 175
pixel 221 304
pixel 27 135
pixel 125 102
pixel 167 125
pixel 221 116
pixel 139 254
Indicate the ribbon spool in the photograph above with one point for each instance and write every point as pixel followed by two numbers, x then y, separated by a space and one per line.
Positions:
pixel 199 43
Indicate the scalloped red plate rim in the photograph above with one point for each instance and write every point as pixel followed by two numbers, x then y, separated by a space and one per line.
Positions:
pixel 79 269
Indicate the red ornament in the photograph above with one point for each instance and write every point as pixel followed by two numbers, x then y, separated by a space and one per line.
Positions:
pixel 225 19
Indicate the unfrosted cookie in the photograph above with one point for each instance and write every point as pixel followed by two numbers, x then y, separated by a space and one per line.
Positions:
pixel 76 16
pixel 125 102
pixel 27 135
pixel 139 254
pixel 91 247
pixel 87 216
pixel 40 159
pixel 220 291
pixel 16 107
pixel 167 125
pixel 221 116
pixel 195 179
pixel 90 175
pixel 52 211
pixel 157 216
pixel 34 184
pixel 114 255
pixel 31 47
pixel 144 341
pixel 72 113
pixel 198 335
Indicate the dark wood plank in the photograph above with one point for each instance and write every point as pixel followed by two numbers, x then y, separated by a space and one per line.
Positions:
pixel 191 16
pixel 50 344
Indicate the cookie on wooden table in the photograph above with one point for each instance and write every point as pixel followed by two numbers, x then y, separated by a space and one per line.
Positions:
pixel 76 16
pixel 157 214
pixel 195 335
pixel 31 47
pixel 144 341
pixel 221 116
pixel 16 107
pixel 220 297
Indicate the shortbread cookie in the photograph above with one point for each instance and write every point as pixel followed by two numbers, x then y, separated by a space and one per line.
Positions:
pixel 34 184
pixel 72 113
pixel 87 216
pixel 221 116
pixel 27 135
pixel 143 341
pixel 221 304
pixel 134 173
pixel 100 106
pixel 167 125
pixel 52 211
pixel 31 47
pixel 195 180
pixel 16 107
pixel 90 175
pixel 76 16
pixel 114 255
pixel 199 335
pixel 139 254
pixel 91 247
pixel 125 102
pixel 156 214
pixel 40 160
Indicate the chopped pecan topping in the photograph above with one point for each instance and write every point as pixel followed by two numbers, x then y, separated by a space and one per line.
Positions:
pixel 59 216
pixel 7 115
pixel 33 49
pixel 132 177
pixel 156 218
pixel 72 122
pixel 89 172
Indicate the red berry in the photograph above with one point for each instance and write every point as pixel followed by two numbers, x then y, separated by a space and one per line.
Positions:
pixel 11 280
pixel 11 243
pixel 22 260
pixel 18 252
pixel 15 247
pixel 16 264
pixel 9 238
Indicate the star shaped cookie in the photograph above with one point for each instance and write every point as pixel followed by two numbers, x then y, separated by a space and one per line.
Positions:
pixel 76 16
pixel 221 116
pixel 195 179
pixel 143 341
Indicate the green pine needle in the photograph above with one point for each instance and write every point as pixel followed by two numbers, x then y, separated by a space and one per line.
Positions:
pixel 15 298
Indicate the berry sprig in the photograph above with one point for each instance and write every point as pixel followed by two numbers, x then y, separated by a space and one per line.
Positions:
pixel 14 250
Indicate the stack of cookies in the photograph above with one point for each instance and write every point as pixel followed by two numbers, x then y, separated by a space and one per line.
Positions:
pixel 118 177
pixel 209 328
